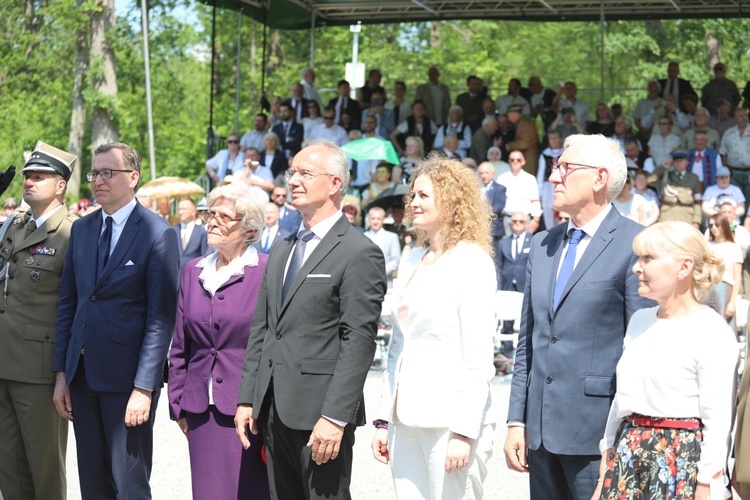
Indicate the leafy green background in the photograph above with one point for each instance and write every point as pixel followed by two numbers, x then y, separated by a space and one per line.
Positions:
pixel 37 60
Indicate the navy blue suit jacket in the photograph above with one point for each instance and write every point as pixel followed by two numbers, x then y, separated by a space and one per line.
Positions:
pixel 197 245
pixel 281 233
pixel 564 377
pixel 292 141
pixel 126 318
pixel 511 273
pixel 497 197
pixel 290 221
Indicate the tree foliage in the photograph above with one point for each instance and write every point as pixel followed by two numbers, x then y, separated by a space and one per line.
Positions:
pixel 37 58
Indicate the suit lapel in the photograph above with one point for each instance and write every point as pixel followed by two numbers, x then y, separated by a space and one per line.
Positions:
pixel 275 280
pixel 325 246
pixel 557 244
pixel 596 246
pixel 128 235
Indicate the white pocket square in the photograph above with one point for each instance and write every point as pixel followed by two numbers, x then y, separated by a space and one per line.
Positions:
pixel 318 275
pixel 526 250
pixel 130 263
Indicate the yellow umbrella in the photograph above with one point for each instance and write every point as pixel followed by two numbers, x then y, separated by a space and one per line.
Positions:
pixel 170 187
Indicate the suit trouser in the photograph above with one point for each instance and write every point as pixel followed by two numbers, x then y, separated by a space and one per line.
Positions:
pixel 291 472
pixel 564 477
pixel 33 443
pixel 418 464
pixel 114 461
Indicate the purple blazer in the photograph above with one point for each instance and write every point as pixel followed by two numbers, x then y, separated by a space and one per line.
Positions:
pixel 211 334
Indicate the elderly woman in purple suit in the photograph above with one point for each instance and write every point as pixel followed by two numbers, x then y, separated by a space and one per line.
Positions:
pixel 215 310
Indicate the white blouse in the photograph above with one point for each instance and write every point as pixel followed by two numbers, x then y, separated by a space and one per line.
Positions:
pixel 685 367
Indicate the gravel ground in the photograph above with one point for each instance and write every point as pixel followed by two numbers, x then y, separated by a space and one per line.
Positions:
pixel 170 478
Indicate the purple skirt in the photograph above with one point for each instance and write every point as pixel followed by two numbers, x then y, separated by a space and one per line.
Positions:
pixel 220 468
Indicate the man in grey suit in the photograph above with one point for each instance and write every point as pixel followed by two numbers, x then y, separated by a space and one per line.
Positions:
pixel 313 336
pixel 579 295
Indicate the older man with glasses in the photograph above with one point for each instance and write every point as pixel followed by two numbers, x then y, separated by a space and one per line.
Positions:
pixel 328 130
pixel 117 309
pixel 580 293
pixel 522 193
pixel 313 337
pixel 663 142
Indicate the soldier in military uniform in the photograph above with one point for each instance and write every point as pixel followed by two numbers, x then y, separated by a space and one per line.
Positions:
pixel 33 436
pixel 680 191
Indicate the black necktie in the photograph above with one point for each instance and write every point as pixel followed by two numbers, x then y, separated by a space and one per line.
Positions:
pixel 296 263
pixel 102 251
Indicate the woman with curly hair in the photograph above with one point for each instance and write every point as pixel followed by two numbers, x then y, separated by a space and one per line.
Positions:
pixel 667 434
pixel 436 390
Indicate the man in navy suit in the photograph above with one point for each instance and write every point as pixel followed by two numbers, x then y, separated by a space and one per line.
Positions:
pixel 271 231
pixel 192 236
pixel 289 131
pixel 511 257
pixel 116 314
pixel 496 196
pixel 289 218
pixel 580 293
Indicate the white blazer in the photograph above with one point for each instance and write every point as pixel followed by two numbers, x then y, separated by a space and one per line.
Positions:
pixel 441 359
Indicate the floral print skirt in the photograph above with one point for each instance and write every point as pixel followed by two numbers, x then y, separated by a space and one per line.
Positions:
pixel 650 463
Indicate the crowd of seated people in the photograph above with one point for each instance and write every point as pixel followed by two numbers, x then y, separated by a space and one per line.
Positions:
pixel 687 150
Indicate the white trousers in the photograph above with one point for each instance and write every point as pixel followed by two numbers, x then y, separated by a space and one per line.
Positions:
pixel 418 464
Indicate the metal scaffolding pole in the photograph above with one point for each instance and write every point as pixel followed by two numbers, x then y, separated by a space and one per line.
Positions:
pixel 149 111
pixel 238 79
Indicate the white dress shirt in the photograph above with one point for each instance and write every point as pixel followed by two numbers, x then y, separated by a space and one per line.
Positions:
pixel 119 219
pixel 269 233
pixel 504 101
pixel 589 230
pixel 253 139
pixel 389 244
pixel 335 134
pixel 522 193
pixel 43 218
pixel 736 147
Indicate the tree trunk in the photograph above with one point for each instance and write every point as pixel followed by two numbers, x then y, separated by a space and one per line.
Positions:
pixel 275 53
pixel 436 32
pixel 713 50
pixel 78 115
pixel 253 47
pixel 30 17
pixel 103 78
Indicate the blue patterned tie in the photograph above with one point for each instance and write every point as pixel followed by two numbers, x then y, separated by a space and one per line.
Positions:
pixel 566 270
pixel 102 251
pixel 296 263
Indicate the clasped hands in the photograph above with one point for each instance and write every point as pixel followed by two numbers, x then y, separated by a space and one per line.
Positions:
pixel 456 454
